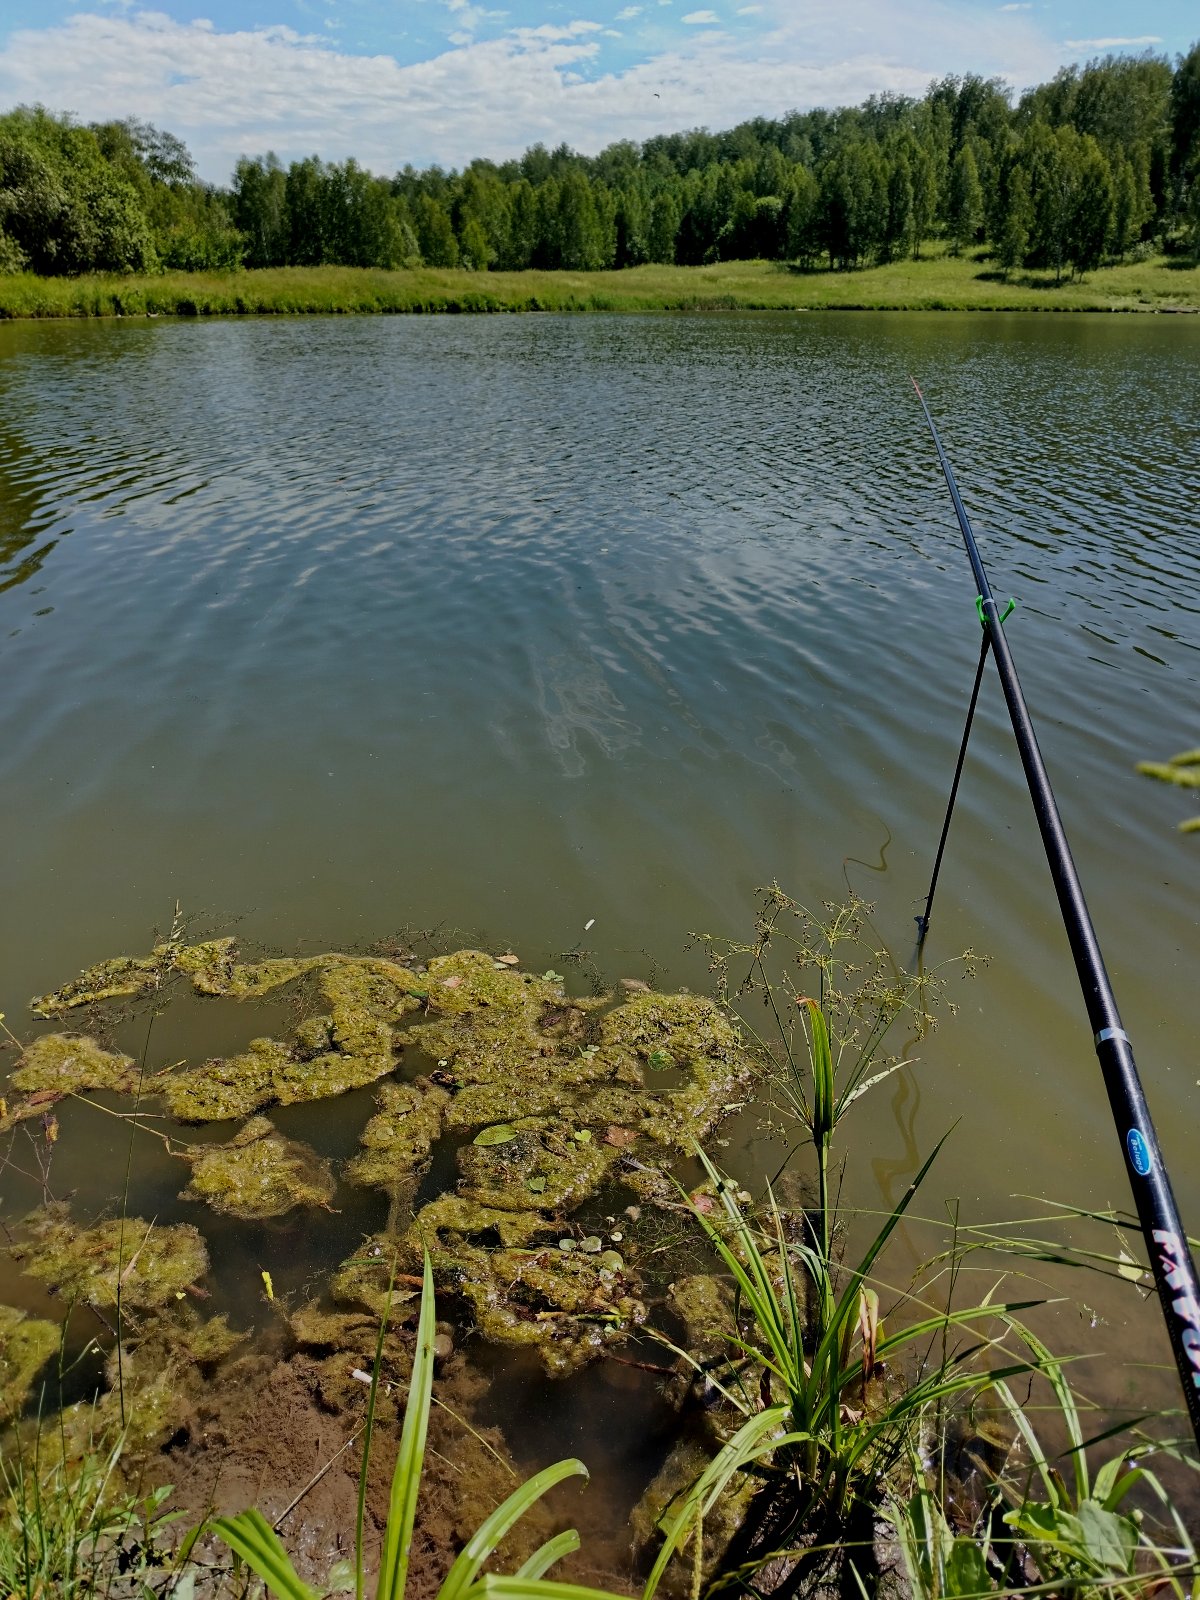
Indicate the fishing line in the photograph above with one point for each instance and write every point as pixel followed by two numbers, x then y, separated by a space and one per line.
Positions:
pixel 1166 1242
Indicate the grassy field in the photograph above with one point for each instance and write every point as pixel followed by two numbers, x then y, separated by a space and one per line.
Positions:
pixel 938 283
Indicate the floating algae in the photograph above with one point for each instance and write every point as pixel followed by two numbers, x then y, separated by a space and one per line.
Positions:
pixel 351 1046
pixel 26 1344
pixel 116 979
pixel 259 1174
pixel 556 1093
pixel 153 1264
pixel 561 1097
pixel 68 1063
pixel 59 1064
pixel 397 1140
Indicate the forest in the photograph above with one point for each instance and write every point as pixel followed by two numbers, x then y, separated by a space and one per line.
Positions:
pixel 1100 164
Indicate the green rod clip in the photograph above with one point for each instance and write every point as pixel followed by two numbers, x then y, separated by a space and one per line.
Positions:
pixel 1004 615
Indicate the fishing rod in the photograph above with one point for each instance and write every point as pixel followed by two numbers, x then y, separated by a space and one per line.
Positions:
pixel 1166 1242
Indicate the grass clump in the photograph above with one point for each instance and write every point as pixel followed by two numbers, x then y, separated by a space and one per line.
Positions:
pixel 69 1528
pixel 259 1174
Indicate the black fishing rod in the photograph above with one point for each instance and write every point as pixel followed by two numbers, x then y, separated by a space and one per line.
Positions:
pixel 1166 1242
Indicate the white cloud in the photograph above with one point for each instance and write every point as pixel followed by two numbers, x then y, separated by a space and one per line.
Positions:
pixel 1112 44
pixel 250 90
pixel 628 14
pixel 748 11
pixel 697 17
pixel 1021 5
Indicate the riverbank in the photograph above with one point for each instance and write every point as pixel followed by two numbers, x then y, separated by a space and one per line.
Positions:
pixel 937 283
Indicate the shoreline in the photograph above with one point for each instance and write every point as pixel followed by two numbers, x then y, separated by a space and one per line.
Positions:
pixel 1160 286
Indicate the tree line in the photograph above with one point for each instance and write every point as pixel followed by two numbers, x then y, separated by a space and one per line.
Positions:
pixel 1102 160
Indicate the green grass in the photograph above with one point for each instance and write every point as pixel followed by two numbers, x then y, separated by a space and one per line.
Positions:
pixel 939 282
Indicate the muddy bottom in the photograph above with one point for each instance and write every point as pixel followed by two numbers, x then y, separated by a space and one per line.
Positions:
pixel 282 1430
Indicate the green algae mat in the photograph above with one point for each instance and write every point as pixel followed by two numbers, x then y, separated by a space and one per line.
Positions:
pixel 544 1103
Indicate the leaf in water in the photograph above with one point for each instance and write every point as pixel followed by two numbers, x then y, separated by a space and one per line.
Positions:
pixel 50 1127
pixel 659 1061
pixel 566 1244
pixel 619 1137
pixel 592 1244
pixel 536 1185
pixel 552 976
pixel 509 959
pixel 635 986
pixel 499 1133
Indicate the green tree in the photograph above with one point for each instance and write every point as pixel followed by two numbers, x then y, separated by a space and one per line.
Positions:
pixel 583 244
pixel 1013 243
pixel 139 150
pixel 1191 207
pixel 802 213
pixel 1185 114
pixel 1049 156
pixel 1133 204
pixel 259 205
pixel 305 191
pixel 519 248
pixel 965 205
pixel 632 222
pixel 435 234
pixel 62 205
pixel 899 206
pixel 665 218
pixel 854 203
pixel 1091 213
pixel 925 195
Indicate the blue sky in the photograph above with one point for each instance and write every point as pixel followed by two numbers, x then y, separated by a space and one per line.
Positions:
pixel 443 80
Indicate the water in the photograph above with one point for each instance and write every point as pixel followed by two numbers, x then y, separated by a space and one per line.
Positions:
pixel 328 628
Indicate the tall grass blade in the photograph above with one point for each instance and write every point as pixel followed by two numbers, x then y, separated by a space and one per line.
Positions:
pixel 250 1536
pixel 360 1510
pixel 406 1479
pixel 499 1586
pixel 540 1562
pixel 488 1535
pixel 753 1439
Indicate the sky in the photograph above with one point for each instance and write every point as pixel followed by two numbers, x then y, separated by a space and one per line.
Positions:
pixel 422 81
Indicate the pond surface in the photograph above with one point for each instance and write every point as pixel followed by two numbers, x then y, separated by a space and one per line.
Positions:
pixel 563 634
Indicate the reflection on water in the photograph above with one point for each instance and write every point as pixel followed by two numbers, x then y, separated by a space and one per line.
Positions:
pixel 523 624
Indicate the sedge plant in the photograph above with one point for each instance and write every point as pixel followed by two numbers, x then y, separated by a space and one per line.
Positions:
pixel 827 1403
pixel 821 1411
